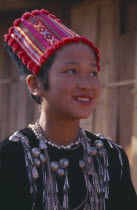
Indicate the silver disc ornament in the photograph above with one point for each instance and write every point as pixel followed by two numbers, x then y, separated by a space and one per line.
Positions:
pixel 101 136
pixel 54 165
pixel 99 144
pixel 63 163
pixel 35 152
pixel 43 158
pixel 18 134
pixel 60 172
pixel 36 162
pixel 14 138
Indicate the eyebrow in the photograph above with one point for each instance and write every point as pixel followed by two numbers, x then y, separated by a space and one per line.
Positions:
pixel 77 63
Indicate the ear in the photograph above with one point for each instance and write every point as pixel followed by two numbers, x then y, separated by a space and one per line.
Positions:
pixel 34 85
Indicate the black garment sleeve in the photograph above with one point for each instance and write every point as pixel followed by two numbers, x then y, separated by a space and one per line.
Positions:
pixel 128 194
pixel 14 187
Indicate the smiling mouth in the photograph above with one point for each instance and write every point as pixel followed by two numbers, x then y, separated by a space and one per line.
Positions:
pixel 83 100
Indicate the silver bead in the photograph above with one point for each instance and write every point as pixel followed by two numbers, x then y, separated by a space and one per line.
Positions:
pixel 35 152
pixel 61 172
pixel 54 166
pixel 14 138
pixel 43 158
pixel 101 136
pixel 99 144
pixel 63 163
pixel 36 162
pixel 93 151
pixel 49 142
pixel 81 164
pixel 52 144
pixel 68 147
pixel 25 139
pixel 102 152
pixel 18 134
pixel 35 172
pixel 77 142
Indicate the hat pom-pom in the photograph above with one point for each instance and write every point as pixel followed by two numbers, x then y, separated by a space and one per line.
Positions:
pixel 35 69
pixel 26 15
pixel 17 22
pixel 21 53
pixel 16 47
pixel 52 16
pixel 43 59
pixel 45 12
pixel 25 60
pixel 11 29
pixel 6 37
pixel 11 42
pixel 96 49
pixel 98 67
pixel 98 58
pixel 58 20
pixel 35 12
pixel 30 65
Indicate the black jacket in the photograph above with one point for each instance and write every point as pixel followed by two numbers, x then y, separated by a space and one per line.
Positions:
pixel 14 183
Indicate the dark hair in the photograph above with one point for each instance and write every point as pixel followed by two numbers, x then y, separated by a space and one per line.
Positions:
pixel 24 72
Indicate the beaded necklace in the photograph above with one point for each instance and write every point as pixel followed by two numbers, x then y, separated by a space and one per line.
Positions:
pixel 39 133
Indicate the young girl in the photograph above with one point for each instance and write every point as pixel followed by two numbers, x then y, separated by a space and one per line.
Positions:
pixel 54 164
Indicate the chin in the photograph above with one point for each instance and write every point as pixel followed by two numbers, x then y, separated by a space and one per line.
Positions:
pixel 84 116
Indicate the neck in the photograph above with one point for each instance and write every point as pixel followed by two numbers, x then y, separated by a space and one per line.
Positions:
pixel 59 131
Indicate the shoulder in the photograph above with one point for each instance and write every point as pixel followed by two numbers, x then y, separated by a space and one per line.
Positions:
pixel 116 155
pixel 110 144
pixel 11 148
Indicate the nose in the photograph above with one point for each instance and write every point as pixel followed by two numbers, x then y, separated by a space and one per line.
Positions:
pixel 84 82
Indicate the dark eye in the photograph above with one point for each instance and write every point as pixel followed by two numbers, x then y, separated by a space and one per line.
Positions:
pixel 94 73
pixel 71 71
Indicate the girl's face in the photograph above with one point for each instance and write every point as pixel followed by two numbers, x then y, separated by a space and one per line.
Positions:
pixel 74 86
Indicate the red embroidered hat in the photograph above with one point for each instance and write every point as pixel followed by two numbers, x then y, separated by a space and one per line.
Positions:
pixel 37 35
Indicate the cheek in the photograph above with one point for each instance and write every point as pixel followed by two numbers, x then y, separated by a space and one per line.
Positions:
pixel 97 87
pixel 62 85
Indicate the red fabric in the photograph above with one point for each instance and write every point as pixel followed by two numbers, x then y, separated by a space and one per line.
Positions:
pixel 11 42
pixel 44 11
pixel 35 12
pixel 50 38
pixel 16 47
pixel 6 37
pixel 17 22
pixel 21 53
pixel 11 29
pixel 26 15
pixel 25 59
pixel 52 16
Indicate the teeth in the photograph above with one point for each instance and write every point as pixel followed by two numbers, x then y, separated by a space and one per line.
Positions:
pixel 83 99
